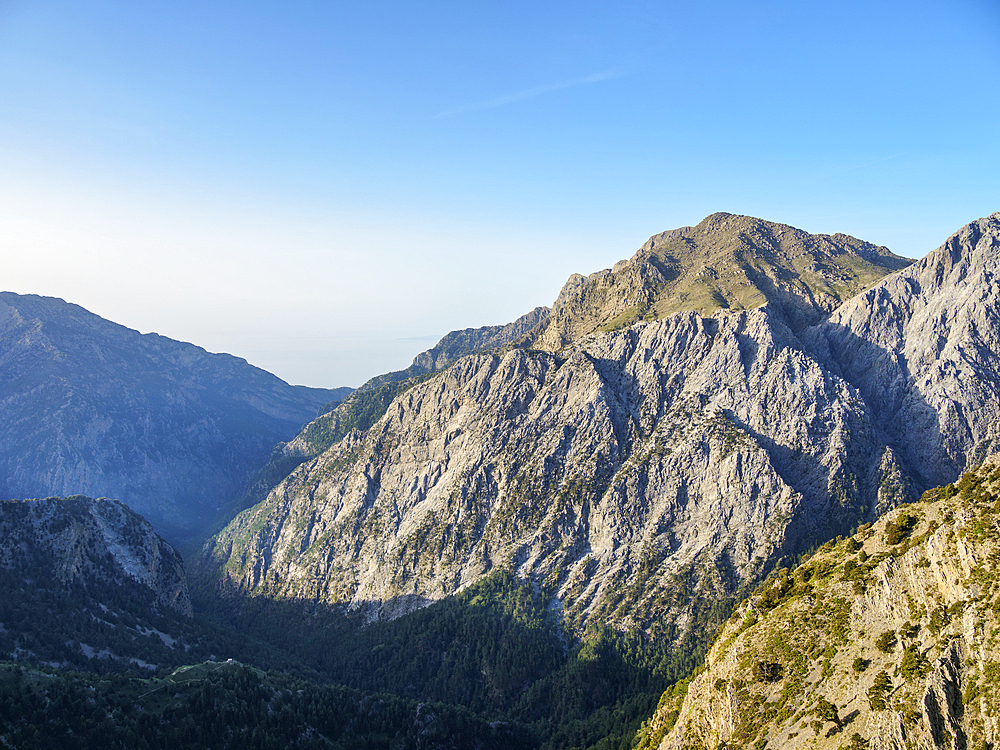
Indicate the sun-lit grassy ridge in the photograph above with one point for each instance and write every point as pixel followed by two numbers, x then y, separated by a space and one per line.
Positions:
pixel 726 262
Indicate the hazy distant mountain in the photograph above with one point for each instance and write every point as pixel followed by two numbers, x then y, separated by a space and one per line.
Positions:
pixel 91 407
pixel 650 467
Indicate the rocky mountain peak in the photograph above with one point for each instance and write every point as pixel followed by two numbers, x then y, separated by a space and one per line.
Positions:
pixel 726 262
pixel 643 471
pixel 573 283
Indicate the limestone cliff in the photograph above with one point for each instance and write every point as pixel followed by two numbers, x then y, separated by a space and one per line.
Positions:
pixel 885 640
pixel 644 455
pixel 922 347
pixel 362 408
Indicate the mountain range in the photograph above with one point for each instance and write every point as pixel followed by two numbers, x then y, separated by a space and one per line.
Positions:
pixel 545 522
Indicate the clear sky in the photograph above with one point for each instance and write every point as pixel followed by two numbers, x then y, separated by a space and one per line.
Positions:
pixel 326 188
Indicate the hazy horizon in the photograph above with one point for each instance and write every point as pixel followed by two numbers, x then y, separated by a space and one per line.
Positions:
pixel 327 189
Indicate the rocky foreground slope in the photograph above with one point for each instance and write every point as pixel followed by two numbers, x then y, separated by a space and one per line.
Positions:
pixel 885 640
pixel 649 467
pixel 91 407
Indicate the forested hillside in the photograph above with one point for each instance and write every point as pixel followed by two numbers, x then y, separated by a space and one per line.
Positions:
pixel 227 706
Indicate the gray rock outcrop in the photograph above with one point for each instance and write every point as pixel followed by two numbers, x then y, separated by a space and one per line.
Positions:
pixel 81 541
pixel 923 349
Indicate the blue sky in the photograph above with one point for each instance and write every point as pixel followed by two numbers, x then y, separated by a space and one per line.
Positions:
pixel 325 188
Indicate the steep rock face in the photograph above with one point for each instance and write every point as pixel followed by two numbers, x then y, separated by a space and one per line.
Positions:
pixel 77 540
pixel 923 348
pixel 727 262
pixel 885 640
pixel 662 452
pixel 362 408
pixel 636 476
pixel 93 407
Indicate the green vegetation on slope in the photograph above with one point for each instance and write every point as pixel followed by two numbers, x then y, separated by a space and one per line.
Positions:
pixel 498 649
pixel 359 411
pixel 894 631
pixel 111 627
pixel 225 706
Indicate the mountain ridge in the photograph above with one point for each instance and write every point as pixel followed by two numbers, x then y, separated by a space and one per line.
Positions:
pixel 874 341
pixel 581 517
pixel 726 262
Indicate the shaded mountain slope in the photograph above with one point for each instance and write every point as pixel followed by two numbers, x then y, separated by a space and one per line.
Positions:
pixel 89 584
pixel 77 541
pixel 93 407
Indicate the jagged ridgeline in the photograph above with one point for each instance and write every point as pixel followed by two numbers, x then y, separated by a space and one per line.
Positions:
pixel 885 640
pixel 726 262
pixel 646 468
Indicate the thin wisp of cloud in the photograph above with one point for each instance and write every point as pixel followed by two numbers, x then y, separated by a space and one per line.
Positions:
pixel 501 101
